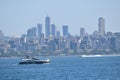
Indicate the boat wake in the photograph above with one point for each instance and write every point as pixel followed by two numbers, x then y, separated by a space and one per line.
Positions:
pixel 98 55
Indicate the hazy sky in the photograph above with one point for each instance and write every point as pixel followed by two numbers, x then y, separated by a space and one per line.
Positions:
pixel 16 16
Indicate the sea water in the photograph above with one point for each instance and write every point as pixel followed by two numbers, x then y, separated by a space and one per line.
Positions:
pixel 62 68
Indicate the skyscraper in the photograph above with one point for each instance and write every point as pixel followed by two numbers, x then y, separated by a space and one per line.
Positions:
pixel 32 32
pixel 101 26
pixel 47 26
pixel 65 30
pixel 82 32
pixel 57 34
pixel 39 30
pixel 53 29
pixel 1 34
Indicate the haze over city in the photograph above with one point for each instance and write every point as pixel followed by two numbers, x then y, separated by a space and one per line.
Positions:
pixel 17 16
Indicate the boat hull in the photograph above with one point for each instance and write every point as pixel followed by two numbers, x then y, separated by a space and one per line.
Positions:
pixel 34 62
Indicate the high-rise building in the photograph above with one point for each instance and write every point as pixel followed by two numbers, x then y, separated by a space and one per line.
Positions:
pixel 58 34
pixel 47 26
pixel 32 32
pixel 101 26
pixel 65 30
pixel 39 30
pixel 53 29
pixel 1 34
pixel 117 40
pixel 82 32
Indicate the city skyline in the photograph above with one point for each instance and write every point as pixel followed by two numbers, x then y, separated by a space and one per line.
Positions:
pixel 18 16
pixel 52 41
pixel 51 29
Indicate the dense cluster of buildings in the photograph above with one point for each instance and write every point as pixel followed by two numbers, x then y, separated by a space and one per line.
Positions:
pixel 52 43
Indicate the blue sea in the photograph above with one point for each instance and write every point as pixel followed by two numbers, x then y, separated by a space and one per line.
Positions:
pixel 62 68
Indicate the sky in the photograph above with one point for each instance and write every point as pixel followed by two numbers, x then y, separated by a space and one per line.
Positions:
pixel 17 16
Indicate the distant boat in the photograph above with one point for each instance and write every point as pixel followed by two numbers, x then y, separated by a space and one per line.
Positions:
pixel 33 61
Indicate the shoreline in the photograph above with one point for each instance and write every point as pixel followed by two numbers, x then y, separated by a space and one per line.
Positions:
pixel 82 55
